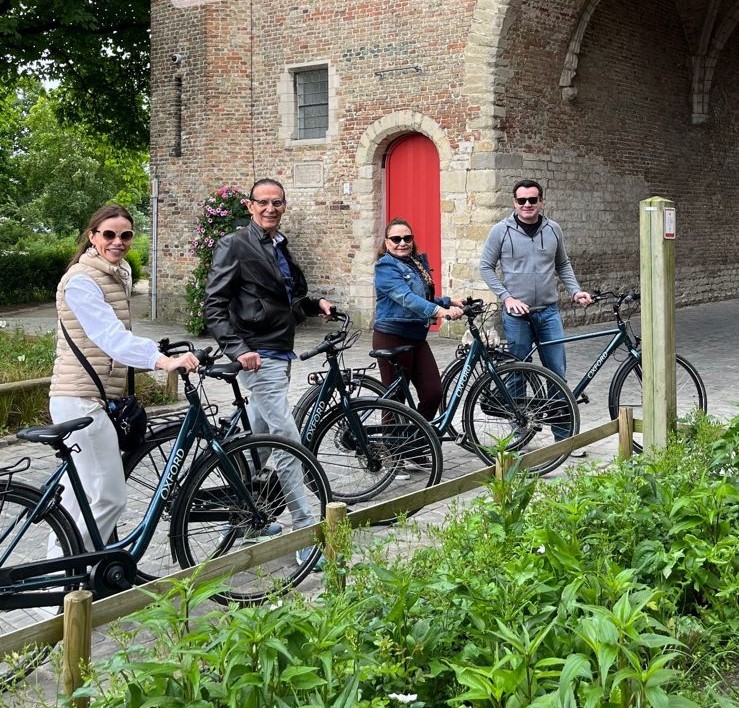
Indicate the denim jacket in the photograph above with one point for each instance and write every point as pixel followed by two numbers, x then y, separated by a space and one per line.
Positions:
pixel 402 307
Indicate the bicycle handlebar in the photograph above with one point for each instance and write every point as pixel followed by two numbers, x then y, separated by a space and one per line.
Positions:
pixel 331 340
pixel 619 298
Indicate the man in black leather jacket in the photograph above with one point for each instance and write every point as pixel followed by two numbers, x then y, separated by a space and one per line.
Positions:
pixel 255 295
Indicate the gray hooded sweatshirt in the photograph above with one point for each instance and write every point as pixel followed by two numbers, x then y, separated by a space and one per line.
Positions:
pixel 529 264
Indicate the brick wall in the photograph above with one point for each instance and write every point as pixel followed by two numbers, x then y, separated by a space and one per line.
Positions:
pixel 483 83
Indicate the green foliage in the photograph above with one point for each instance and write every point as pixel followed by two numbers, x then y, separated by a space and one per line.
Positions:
pixel 61 175
pixel 25 356
pixel 610 589
pixel 223 211
pixel 99 53
pixel 27 276
pixel 33 275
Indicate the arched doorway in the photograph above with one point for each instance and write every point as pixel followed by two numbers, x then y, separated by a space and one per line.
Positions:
pixel 412 192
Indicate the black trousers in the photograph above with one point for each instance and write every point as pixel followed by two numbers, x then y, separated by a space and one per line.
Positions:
pixel 419 367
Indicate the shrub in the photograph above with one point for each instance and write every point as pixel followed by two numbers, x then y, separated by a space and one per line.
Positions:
pixel 223 211
pixel 25 356
pixel 539 594
pixel 27 276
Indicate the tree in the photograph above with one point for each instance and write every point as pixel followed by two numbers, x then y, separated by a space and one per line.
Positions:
pixel 58 175
pixel 98 51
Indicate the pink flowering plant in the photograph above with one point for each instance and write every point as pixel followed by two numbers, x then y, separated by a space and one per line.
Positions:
pixel 224 211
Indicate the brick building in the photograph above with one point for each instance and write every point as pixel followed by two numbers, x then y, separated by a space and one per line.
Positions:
pixel 366 108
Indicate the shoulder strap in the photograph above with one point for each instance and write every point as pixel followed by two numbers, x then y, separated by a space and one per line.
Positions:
pixel 88 367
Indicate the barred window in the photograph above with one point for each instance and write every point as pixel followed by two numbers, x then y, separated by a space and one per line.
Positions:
pixel 311 94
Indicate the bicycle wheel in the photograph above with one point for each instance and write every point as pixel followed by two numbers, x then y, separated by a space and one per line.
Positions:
pixel 402 453
pixel 210 518
pixel 626 391
pixel 52 534
pixel 545 410
pixel 357 387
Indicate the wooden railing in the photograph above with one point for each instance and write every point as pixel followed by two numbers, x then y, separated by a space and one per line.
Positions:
pixel 82 615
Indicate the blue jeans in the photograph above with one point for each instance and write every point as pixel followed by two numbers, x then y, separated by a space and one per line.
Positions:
pixel 269 412
pixel 547 324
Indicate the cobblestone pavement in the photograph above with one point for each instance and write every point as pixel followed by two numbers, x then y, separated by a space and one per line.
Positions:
pixel 708 335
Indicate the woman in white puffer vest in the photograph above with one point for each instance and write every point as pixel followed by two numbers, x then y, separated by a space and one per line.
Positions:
pixel 92 301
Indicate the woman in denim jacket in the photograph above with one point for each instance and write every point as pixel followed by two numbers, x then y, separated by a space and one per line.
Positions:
pixel 405 307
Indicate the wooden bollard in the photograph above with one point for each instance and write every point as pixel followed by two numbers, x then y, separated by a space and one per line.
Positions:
pixel 335 517
pixel 77 642
pixel 173 379
pixel 625 432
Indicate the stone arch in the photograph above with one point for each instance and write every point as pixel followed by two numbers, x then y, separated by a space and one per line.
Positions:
pixel 567 78
pixel 706 58
pixel 367 190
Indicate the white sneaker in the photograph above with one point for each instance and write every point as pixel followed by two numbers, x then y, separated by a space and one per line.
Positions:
pixel 580 452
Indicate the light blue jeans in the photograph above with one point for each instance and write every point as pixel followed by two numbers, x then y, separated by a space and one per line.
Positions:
pixel 269 412
pixel 547 324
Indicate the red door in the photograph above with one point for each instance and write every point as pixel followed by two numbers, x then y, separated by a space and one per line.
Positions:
pixel 412 192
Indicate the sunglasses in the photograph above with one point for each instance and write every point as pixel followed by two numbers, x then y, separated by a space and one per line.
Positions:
pixel 522 200
pixel 109 235
pixel 397 239
pixel 276 203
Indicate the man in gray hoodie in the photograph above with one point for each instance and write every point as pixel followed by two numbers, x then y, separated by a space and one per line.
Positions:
pixel 530 250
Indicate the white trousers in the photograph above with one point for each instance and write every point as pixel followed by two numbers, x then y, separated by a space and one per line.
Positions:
pixel 98 464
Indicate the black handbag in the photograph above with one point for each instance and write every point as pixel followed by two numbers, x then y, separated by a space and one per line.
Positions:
pixel 127 414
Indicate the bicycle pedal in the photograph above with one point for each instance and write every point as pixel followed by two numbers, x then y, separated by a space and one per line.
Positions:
pixel 583 398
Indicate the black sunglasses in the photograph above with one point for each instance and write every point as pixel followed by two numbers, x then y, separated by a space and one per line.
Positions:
pixel 397 239
pixel 109 235
pixel 522 200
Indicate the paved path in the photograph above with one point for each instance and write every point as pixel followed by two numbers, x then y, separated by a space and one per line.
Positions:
pixel 707 334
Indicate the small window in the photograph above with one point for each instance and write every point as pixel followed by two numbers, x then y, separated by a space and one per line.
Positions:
pixel 311 94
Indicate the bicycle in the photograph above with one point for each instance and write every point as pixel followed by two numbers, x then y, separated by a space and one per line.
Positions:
pixel 365 445
pixel 226 495
pixel 144 466
pixel 521 402
pixel 625 388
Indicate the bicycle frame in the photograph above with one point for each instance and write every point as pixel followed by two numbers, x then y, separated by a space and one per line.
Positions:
pixel 476 352
pixel 619 336
pixel 194 423
pixel 332 381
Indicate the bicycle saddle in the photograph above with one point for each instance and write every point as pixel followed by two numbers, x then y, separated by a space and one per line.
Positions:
pixel 52 434
pixel 393 352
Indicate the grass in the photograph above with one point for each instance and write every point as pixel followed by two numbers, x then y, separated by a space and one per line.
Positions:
pixel 27 356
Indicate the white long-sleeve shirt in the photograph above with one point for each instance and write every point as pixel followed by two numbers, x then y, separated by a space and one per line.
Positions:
pixel 97 318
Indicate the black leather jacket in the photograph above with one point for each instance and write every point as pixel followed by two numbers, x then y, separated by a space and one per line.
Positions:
pixel 246 303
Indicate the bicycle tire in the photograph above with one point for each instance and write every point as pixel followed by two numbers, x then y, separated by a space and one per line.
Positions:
pixel 55 527
pixel 626 391
pixel 545 404
pixel 358 387
pixel 208 519
pixel 399 438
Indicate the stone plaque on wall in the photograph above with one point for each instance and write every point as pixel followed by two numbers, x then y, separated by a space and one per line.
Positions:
pixel 308 174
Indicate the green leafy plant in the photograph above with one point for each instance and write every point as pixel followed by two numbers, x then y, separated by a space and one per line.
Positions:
pixel 612 588
pixel 223 211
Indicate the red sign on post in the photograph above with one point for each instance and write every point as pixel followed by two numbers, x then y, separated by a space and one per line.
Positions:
pixel 669 223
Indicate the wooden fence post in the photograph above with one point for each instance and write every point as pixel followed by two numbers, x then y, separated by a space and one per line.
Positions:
pixel 335 518
pixel 625 432
pixel 173 379
pixel 77 642
pixel 657 242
